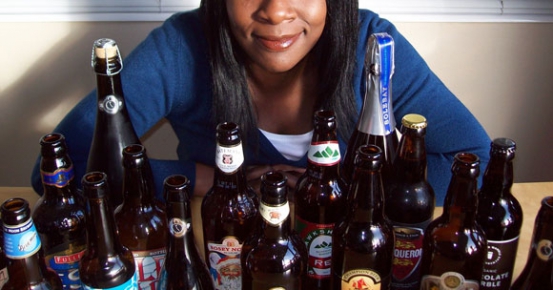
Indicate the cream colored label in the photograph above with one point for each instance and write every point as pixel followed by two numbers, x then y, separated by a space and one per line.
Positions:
pixel 325 153
pixel 448 281
pixel 229 159
pixel 274 215
pixel 361 279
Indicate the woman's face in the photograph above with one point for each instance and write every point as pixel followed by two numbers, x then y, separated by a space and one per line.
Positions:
pixel 276 34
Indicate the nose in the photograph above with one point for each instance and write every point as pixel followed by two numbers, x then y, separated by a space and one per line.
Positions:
pixel 276 11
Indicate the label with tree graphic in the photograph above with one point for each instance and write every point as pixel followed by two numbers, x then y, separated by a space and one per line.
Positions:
pixel 318 239
pixel 325 153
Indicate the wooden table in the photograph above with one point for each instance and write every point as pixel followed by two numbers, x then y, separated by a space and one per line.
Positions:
pixel 528 194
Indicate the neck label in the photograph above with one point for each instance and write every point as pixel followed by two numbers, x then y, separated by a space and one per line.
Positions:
pixel 229 159
pixel 325 153
pixel 274 215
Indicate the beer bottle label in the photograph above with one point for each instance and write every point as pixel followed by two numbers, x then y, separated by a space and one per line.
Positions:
pixel 448 281
pixel 67 267
pixel 318 239
pixel 58 178
pixel 544 250
pixel 498 266
pixel 21 241
pixel 224 263
pixel 129 284
pixel 178 228
pixel 148 267
pixel 361 279
pixel 4 277
pixel 407 257
pixel 274 215
pixel 325 153
pixel 229 159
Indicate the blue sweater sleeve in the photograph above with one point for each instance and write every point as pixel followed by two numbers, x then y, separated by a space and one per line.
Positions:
pixel 416 89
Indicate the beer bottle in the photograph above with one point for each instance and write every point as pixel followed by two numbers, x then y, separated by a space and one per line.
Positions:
pixel 3 262
pixel 23 249
pixel 106 264
pixel 363 243
pixel 500 215
pixel 376 124
pixel 113 129
pixel 320 199
pixel 275 257
pixel 537 274
pixel 228 210
pixel 183 267
pixel 410 202
pixel 59 215
pixel 141 219
pixel 454 246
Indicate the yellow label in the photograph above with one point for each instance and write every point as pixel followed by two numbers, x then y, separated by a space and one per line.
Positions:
pixel 361 279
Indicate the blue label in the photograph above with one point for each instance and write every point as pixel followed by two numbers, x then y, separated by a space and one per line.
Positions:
pixel 386 45
pixel 67 268
pixel 21 241
pixel 58 178
pixel 131 284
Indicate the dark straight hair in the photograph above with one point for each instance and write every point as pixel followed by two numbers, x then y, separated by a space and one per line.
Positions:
pixel 335 51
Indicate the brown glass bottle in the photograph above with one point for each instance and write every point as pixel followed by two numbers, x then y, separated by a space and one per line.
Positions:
pixel 23 249
pixel 275 257
pixel 106 263
pixel 410 202
pixel 141 219
pixel 537 273
pixel 454 246
pixel 500 215
pixel 113 129
pixel 3 261
pixel 228 210
pixel 183 268
pixel 363 243
pixel 59 215
pixel 376 124
pixel 320 199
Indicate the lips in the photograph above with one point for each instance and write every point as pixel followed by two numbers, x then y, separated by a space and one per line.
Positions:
pixel 277 43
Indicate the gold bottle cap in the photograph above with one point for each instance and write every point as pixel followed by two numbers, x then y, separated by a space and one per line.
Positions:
pixel 105 48
pixel 414 121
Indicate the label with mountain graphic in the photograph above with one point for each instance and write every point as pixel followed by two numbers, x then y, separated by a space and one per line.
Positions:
pixel 325 153
pixel 318 239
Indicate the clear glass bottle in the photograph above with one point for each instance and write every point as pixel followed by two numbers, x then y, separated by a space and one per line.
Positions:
pixel 141 219
pixel 228 210
pixel 113 129
pixel 59 214
pixel 320 199
pixel 275 257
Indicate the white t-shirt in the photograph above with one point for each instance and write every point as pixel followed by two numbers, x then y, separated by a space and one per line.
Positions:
pixel 293 147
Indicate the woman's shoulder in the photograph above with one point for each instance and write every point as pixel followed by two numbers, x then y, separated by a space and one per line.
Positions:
pixel 370 20
pixel 186 22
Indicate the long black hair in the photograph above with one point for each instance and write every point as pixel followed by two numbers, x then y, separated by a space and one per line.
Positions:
pixel 335 50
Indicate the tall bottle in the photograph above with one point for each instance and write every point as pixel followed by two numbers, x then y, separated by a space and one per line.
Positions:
pixel 363 243
pixel 183 268
pixel 59 215
pixel 455 245
pixel 376 124
pixel 23 248
pixel 500 215
pixel 228 210
pixel 113 130
pixel 141 219
pixel 106 264
pixel 320 199
pixel 410 202
pixel 275 257
pixel 537 274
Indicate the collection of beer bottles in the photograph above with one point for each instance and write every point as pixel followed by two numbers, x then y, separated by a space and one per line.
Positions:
pixel 367 223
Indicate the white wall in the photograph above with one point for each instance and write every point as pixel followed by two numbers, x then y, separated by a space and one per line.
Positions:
pixel 501 71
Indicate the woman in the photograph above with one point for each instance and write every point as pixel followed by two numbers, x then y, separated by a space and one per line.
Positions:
pixel 268 65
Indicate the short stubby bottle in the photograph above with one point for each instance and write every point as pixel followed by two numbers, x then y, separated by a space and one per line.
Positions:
pixel 59 214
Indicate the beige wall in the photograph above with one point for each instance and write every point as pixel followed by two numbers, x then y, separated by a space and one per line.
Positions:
pixel 501 71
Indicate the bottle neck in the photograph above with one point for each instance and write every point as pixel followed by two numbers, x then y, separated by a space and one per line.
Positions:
pixel 102 234
pixel 109 86
pixel 32 267
pixel 461 201
pixel 410 166
pixel 180 235
pixel 229 173
pixel 138 186
pixel 367 196
pixel 275 222
pixel 498 177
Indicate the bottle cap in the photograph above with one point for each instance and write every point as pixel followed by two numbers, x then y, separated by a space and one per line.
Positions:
pixel 414 121
pixel 105 48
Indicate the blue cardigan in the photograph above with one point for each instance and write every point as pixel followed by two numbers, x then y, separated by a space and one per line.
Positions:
pixel 168 76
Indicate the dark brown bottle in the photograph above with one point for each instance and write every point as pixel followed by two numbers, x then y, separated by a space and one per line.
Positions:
pixel 410 202
pixel 229 210
pixel 183 268
pixel 376 124
pixel 106 263
pixel 275 257
pixel 363 243
pixel 537 273
pixel 23 249
pixel 141 219
pixel 455 245
pixel 3 261
pixel 320 200
pixel 113 129
pixel 59 215
pixel 500 215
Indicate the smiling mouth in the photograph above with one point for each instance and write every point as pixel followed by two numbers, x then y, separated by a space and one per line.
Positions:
pixel 277 43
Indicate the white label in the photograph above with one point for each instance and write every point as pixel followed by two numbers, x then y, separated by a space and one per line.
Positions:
pixel 325 153
pixel 274 215
pixel 229 159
